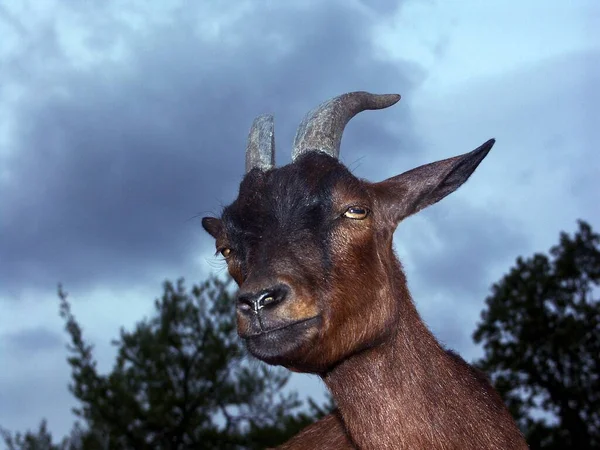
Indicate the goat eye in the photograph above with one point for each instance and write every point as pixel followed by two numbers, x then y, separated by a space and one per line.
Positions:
pixel 226 252
pixel 356 212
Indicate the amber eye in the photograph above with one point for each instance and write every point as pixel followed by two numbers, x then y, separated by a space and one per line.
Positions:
pixel 356 212
pixel 226 252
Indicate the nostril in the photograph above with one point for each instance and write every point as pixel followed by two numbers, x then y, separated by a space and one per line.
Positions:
pixel 275 295
pixel 266 298
pixel 245 302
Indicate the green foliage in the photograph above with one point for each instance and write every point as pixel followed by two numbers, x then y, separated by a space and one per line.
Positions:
pixel 181 380
pixel 42 440
pixel 541 337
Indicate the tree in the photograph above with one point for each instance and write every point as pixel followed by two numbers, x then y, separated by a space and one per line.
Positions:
pixel 541 338
pixel 181 380
pixel 42 440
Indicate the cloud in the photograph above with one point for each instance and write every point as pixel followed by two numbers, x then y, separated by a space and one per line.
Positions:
pixel 111 165
pixel 37 390
pixel 32 340
pixel 121 126
pixel 536 181
pixel 452 253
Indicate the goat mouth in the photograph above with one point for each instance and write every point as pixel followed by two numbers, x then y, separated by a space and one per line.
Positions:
pixel 300 324
pixel 283 345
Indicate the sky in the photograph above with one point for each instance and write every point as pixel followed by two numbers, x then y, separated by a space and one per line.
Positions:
pixel 123 123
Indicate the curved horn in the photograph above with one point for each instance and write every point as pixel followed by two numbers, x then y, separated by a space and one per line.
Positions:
pixel 260 151
pixel 322 128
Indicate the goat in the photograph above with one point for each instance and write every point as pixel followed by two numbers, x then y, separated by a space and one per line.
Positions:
pixel 321 291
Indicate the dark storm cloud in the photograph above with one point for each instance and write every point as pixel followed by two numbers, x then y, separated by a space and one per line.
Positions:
pixel 109 164
pixel 31 340
pixel 473 240
pixel 39 387
pixel 453 264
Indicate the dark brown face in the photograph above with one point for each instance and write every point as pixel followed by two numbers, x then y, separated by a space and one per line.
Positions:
pixel 292 240
pixel 310 246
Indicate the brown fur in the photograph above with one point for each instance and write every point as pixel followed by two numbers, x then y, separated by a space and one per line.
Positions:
pixel 327 433
pixel 343 309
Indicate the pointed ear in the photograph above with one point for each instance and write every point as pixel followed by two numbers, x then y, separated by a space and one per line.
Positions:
pixel 212 225
pixel 418 188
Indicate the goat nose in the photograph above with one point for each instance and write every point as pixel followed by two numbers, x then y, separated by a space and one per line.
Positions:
pixel 255 301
